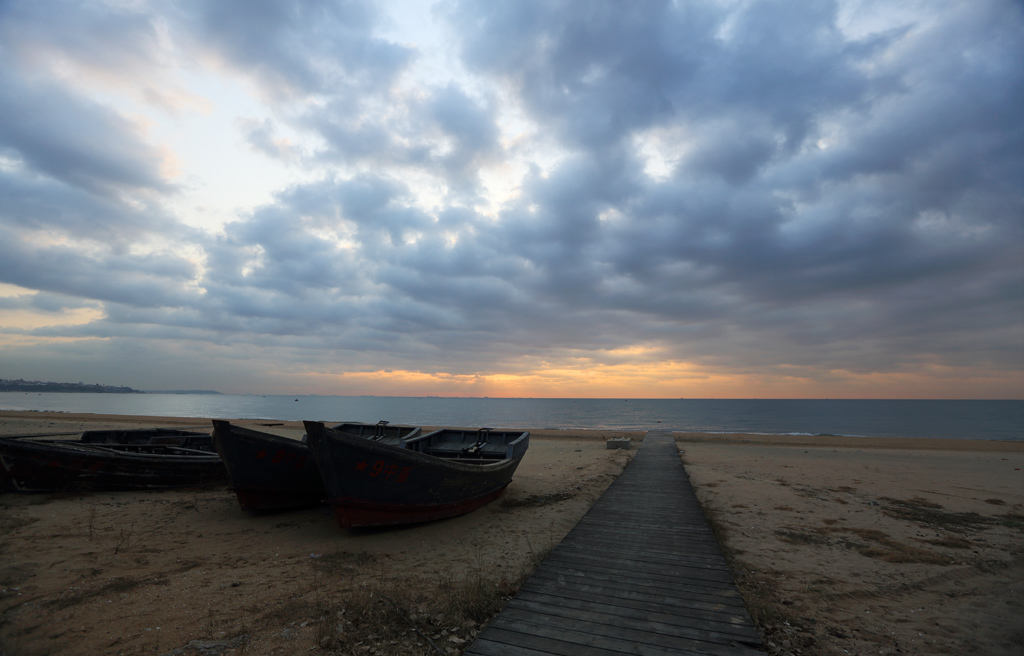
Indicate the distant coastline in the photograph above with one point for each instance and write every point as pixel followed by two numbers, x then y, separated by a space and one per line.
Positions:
pixel 20 385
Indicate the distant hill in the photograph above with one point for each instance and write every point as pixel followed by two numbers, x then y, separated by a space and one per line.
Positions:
pixel 39 386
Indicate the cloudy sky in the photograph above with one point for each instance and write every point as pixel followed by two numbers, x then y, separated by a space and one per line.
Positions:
pixel 730 198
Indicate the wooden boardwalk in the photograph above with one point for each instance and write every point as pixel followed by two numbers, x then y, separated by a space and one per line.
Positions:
pixel 640 574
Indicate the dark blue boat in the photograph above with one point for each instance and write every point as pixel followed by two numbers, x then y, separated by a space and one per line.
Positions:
pixel 441 474
pixel 188 439
pixel 146 459
pixel 270 473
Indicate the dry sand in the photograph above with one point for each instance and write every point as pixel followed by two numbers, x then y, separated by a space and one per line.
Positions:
pixel 187 572
pixel 895 546
pixel 889 546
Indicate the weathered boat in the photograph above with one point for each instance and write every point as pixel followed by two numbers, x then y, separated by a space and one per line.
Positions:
pixel 147 459
pixel 441 474
pixel 270 472
pixel 188 439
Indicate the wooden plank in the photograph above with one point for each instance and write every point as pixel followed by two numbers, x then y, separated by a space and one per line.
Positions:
pixel 648 633
pixel 675 527
pixel 656 597
pixel 615 538
pixel 639 514
pixel 663 552
pixel 639 519
pixel 534 644
pixel 641 573
pixel 655 552
pixel 564 560
pixel 648 521
pixel 617 612
pixel 654 579
pixel 660 584
pixel 574 638
pixel 640 567
pixel 669 524
pixel 488 647
pixel 652 586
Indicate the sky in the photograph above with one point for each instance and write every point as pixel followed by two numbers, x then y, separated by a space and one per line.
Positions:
pixel 542 198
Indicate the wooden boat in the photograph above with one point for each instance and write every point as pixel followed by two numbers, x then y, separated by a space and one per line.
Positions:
pixel 269 472
pixel 441 474
pixel 188 439
pixel 146 459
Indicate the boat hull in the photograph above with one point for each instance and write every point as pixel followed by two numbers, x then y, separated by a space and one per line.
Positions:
pixel 353 512
pixel 271 473
pixel 74 466
pixel 267 472
pixel 373 484
pixel 169 436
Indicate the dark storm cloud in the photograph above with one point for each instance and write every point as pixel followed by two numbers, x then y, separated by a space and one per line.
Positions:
pixel 329 50
pixel 470 131
pixel 44 302
pixel 596 72
pixel 319 46
pixel 919 188
pixel 71 139
pixel 447 134
pixel 98 273
pixel 309 265
pixel 319 236
pixel 470 125
pixel 34 203
pixel 592 71
pixel 747 187
pixel 54 130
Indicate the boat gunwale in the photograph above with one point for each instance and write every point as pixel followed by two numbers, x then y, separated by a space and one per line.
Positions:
pixel 89 450
pixel 406 432
pixel 245 432
pixel 401 452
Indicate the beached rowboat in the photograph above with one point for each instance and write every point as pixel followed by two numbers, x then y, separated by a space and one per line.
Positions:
pixel 270 472
pixel 140 459
pixel 441 474
pixel 188 439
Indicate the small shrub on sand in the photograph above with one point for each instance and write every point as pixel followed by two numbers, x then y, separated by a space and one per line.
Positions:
pixel 389 617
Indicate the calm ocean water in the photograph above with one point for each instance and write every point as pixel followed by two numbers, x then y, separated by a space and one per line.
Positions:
pixel 978 420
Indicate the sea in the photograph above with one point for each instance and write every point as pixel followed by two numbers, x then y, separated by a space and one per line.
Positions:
pixel 973 420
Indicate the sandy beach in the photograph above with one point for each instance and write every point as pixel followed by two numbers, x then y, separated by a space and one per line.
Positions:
pixel 841 546
pixel 870 545
pixel 187 572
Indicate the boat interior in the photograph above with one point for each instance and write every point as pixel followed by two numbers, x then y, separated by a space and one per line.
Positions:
pixel 482 445
pixel 379 432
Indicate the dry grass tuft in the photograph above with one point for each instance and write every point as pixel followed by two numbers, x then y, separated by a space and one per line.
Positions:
pixel 951 542
pixel 392 617
pixel 115 585
pixel 535 500
pixel 1013 520
pixel 931 514
pixel 344 562
pixel 883 547
pixel 794 536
